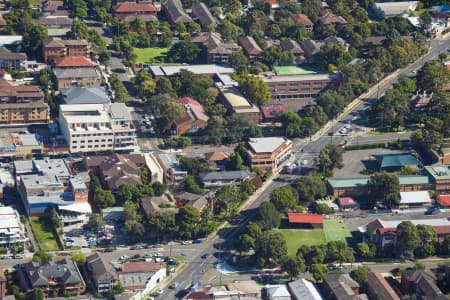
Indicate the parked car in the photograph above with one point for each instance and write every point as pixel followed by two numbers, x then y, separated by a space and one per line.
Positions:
pixel 197 241
pixel 124 257
pixel 173 285
pixel 147 255
pixel 186 242
pixel 136 256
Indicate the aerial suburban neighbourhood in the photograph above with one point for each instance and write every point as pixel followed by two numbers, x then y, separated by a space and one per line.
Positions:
pixel 266 149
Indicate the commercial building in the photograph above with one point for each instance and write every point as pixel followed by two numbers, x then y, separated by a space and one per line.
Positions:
pixel 11 228
pixel 394 162
pixel 56 48
pixel 23 104
pixel 173 173
pixel 209 70
pixel 268 153
pixel 193 119
pixel 11 60
pixel 392 9
pixel 129 11
pixel 104 277
pixel 223 178
pixel 97 127
pixel 305 220
pixel 63 276
pixel 76 77
pixel 235 102
pixel 141 276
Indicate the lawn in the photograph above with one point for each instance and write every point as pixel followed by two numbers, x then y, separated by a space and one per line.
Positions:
pixel 149 55
pixel 336 230
pixel 36 2
pixel 43 232
pixel 296 238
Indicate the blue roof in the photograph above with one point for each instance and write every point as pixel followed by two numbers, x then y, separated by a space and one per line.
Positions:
pixel 396 160
pixel 441 8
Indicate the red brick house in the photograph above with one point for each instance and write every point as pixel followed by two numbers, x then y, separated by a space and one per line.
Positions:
pixel 129 11
pixel 193 119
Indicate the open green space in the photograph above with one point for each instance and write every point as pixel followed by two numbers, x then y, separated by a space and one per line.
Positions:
pixel 36 2
pixel 43 232
pixel 336 230
pixel 297 237
pixel 149 55
pixel 295 70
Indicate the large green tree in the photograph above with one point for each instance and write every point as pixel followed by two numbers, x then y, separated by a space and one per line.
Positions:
pixel 427 241
pixel 183 52
pixel 330 157
pixel 284 198
pixel 268 216
pixel 408 239
pixel 270 248
pixel 254 89
pixel 310 187
pixel 385 188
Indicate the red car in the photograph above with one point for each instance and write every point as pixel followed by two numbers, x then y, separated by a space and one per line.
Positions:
pixel 136 256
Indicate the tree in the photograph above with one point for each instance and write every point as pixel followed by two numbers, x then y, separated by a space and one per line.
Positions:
pixel 445 246
pixel 234 162
pixel 239 62
pixel 144 83
pixel 330 157
pixel 360 276
pixel 79 258
pixel 183 52
pixel 331 102
pixel 433 76
pixel 54 218
pixel 254 89
pixel 95 222
pixel 164 86
pixel 271 247
pixel 41 257
pixel 293 266
pixel 333 54
pixel 274 55
pixel 33 38
pixel 268 216
pixel 427 241
pixel 191 185
pixel 228 199
pixel 120 92
pixel 133 219
pixel 366 250
pixel 321 208
pixel 384 187
pixel 408 238
pixel 168 110
pixel 310 187
pixel 317 271
pixel 284 198
pixel 104 198
pixel 244 243
pixel 187 220
pixel 38 294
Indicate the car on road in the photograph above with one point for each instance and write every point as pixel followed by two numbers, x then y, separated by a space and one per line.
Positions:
pixel 158 254
pixel 304 162
pixel 124 257
pixel 19 256
pixel 171 262
pixel 197 241
pixel 157 246
pixel 173 285
pixel 186 242
pixel 205 256
pixel 147 255
pixel 136 256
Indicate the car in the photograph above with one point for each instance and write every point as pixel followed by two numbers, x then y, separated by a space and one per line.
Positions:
pixel 136 256
pixel 124 257
pixel 304 162
pixel 173 285
pixel 171 262
pixel 157 246
pixel 343 130
pixel 160 292
pixel 186 242
pixel 19 256
pixel 197 241
pixel 147 255
pixel 347 126
pixel 109 250
pixel 158 254
pixel 205 256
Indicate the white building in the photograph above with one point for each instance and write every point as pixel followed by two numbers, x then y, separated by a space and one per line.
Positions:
pixel 97 127
pixel 11 229
pixel 414 199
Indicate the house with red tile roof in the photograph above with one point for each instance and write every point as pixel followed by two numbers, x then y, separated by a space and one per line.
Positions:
pixel 193 119
pixel 444 200
pixel 217 156
pixel 303 20
pixel 129 11
pixel 305 220
pixel 251 48
pixel 74 62
pixel 347 203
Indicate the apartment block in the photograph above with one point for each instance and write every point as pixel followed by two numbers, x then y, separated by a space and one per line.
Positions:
pixel 56 48
pixel 11 229
pixel 97 127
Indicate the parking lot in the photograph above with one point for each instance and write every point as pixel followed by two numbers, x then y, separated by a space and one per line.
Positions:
pixel 356 161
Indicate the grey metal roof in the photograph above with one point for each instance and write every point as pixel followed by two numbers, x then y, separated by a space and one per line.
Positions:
pixel 226 175
pixel 64 73
pixel 120 111
pixel 82 95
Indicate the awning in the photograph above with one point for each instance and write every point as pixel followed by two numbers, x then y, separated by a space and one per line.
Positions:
pixel 82 207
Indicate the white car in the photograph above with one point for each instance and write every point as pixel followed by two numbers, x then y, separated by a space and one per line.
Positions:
pixel 186 242
pixel 124 257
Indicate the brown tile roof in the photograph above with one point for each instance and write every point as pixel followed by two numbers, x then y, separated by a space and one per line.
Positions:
pixel 302 19
pixel 197 201
pixel 377 283
pixel 74 61
pixel 327 17
pixel 250 46
pixel 216 156
pixel 20 91
pixel 132 7
pixel 141 266
pixel 52 5
pixel 8 55
pixel 152 204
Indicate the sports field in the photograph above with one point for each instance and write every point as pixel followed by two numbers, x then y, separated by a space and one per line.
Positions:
pixel 149 55
pixel 333 230
pixel 295 70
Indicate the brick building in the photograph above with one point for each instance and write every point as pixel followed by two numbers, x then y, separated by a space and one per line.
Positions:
pixel 193 119
pixel 129 11
pixel 56 48
pixel 268 153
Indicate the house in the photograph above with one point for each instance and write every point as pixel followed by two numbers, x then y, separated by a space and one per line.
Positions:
pixel 56 48
pixel 422 283
pixel 245 289
pixel 217 51
pixel 22 104
pixel 173 174
pixel 141 275
pixel 150 205
pixel 12 230
pixel 223 178
pixel 235 102
pixel 383 232
pixel 305 220
pixel 83 95
pixel 414 199
pixel 52 6
pixel 440 176
pixel 341 286
pixel 200 202
pixel 156 172
pixel 76 77
pixel 202 14
pixel 378 287
pixel 392 9
pixel 57 26
pixel 193 119
pixel 443 201
pixel 11 60
pixel 341 187
pixel 272 112
pixel 277 292
pixel 74 62
pixel 441 154
pixel 3 281
pixel 129 11
pixel 347 203
pixel 209 70
pixel 175 12
pixel 97 127
pixel 251 48
pixel 268 153
pixel 395 162
pixel 303 289
pixel 218 157
pixel 326 17
pixel 310 48
pixel 303 19
pixel 103 275
pixel 62 276
pixel 294 48
pixel 420 101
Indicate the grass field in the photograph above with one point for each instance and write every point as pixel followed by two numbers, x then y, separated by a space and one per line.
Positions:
pixel 296 238
pixel 42 229
pixel 336 230
pixel 148 55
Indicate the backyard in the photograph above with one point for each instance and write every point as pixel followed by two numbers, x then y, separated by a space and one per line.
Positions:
pixel 43 232
pixel 150 55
